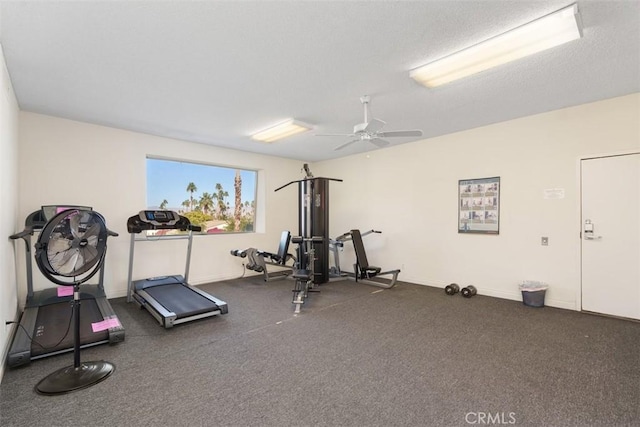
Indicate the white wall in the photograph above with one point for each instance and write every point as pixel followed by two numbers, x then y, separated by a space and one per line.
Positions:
pixel 67 162
pixel 410 193
pixel 8 213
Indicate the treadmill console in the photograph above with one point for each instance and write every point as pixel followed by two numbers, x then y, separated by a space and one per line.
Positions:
pixel 159 220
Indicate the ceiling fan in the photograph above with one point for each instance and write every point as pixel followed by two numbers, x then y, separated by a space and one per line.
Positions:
pixel 371 130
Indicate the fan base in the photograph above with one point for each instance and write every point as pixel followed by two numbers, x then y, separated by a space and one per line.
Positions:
pixel 70 378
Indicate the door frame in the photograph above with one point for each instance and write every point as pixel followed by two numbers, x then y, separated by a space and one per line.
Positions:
pixel 579 209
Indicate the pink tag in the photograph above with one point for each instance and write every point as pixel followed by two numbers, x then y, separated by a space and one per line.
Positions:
pixel 105 324
pixel 65 291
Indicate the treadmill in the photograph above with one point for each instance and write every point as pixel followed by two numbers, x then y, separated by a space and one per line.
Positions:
pixel 45 324
pixel 169 299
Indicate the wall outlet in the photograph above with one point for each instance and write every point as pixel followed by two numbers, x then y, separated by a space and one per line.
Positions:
pixel 544 241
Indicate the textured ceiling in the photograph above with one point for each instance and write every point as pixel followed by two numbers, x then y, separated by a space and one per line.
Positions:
pixel 215 72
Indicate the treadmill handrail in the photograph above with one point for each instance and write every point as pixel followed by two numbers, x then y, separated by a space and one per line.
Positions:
pixel 21 235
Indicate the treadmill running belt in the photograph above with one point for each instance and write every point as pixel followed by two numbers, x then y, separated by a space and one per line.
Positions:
pixel 54 319
pixel 181 300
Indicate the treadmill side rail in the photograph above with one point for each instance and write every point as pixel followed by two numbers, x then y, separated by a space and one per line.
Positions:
pixel 20 350
pixel 165 317
pixel 221 304
pixel 116 334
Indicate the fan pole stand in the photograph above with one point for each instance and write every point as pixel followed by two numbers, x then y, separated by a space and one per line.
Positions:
pixel 80 375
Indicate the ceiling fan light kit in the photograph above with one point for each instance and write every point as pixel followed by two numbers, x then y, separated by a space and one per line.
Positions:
pixel 536 36
pixel 281 130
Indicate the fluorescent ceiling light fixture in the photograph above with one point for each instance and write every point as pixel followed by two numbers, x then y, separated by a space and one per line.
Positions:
pixel 543 33
pixel 281 130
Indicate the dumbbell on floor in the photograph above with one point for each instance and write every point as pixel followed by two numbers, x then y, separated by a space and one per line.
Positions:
pixel 469 291
pixel 452 289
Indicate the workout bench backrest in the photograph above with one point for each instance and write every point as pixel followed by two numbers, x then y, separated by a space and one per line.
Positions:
pixel 283 249
pixel 361 254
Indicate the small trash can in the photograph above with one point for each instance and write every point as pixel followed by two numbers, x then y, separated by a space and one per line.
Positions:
pixel 533 293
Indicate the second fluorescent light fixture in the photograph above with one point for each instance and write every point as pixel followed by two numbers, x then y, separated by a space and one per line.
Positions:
pixel 543 33
pixel 281 130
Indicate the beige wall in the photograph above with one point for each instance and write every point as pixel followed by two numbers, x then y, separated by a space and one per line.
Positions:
pixel 410 193
pixel 67 162
pixel 8 213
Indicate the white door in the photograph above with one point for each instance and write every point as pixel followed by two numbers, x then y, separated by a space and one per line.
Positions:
pixel 611 235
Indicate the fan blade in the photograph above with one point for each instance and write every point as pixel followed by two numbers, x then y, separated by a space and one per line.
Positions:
pixel 74 224
pixel 345 145
pixel 89 254
pixel 393 133
pixel 58 244
pixel 92 231
pixel 379 142
pixel 334 134
pixel 374 126
pixel 65 262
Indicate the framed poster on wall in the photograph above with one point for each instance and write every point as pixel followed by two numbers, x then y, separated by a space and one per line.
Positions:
pixel 479 205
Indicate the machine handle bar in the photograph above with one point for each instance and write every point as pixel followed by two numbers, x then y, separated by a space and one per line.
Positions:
pixel 300 239
pixel 347 236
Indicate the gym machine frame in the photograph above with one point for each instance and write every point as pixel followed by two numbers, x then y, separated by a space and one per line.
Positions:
pixel 362 270
pixel 305 272
pixel 313 225
pixel 258 260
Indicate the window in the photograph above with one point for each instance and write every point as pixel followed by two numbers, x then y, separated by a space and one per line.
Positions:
pixel 219 199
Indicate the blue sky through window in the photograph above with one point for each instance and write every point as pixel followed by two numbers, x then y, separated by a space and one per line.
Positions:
pixel 168 180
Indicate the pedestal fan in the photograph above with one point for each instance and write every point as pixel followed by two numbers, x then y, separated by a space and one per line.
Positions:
pixel 70 250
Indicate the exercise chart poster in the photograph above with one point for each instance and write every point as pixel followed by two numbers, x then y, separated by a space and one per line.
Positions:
pixel 479 205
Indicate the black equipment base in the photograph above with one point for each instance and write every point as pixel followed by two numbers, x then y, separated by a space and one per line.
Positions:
pixel 70 378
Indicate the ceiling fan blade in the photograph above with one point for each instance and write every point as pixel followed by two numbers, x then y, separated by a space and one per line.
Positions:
pixel 393 133
pixel 334 134
pixel 374 126
pixel 345 144
pixel 379 142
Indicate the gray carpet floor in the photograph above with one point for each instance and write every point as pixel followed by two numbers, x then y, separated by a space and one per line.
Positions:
pixel 356 356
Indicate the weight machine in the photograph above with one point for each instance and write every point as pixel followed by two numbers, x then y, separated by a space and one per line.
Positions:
pixel 258 260
pixel 312 266
pixel 362 270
